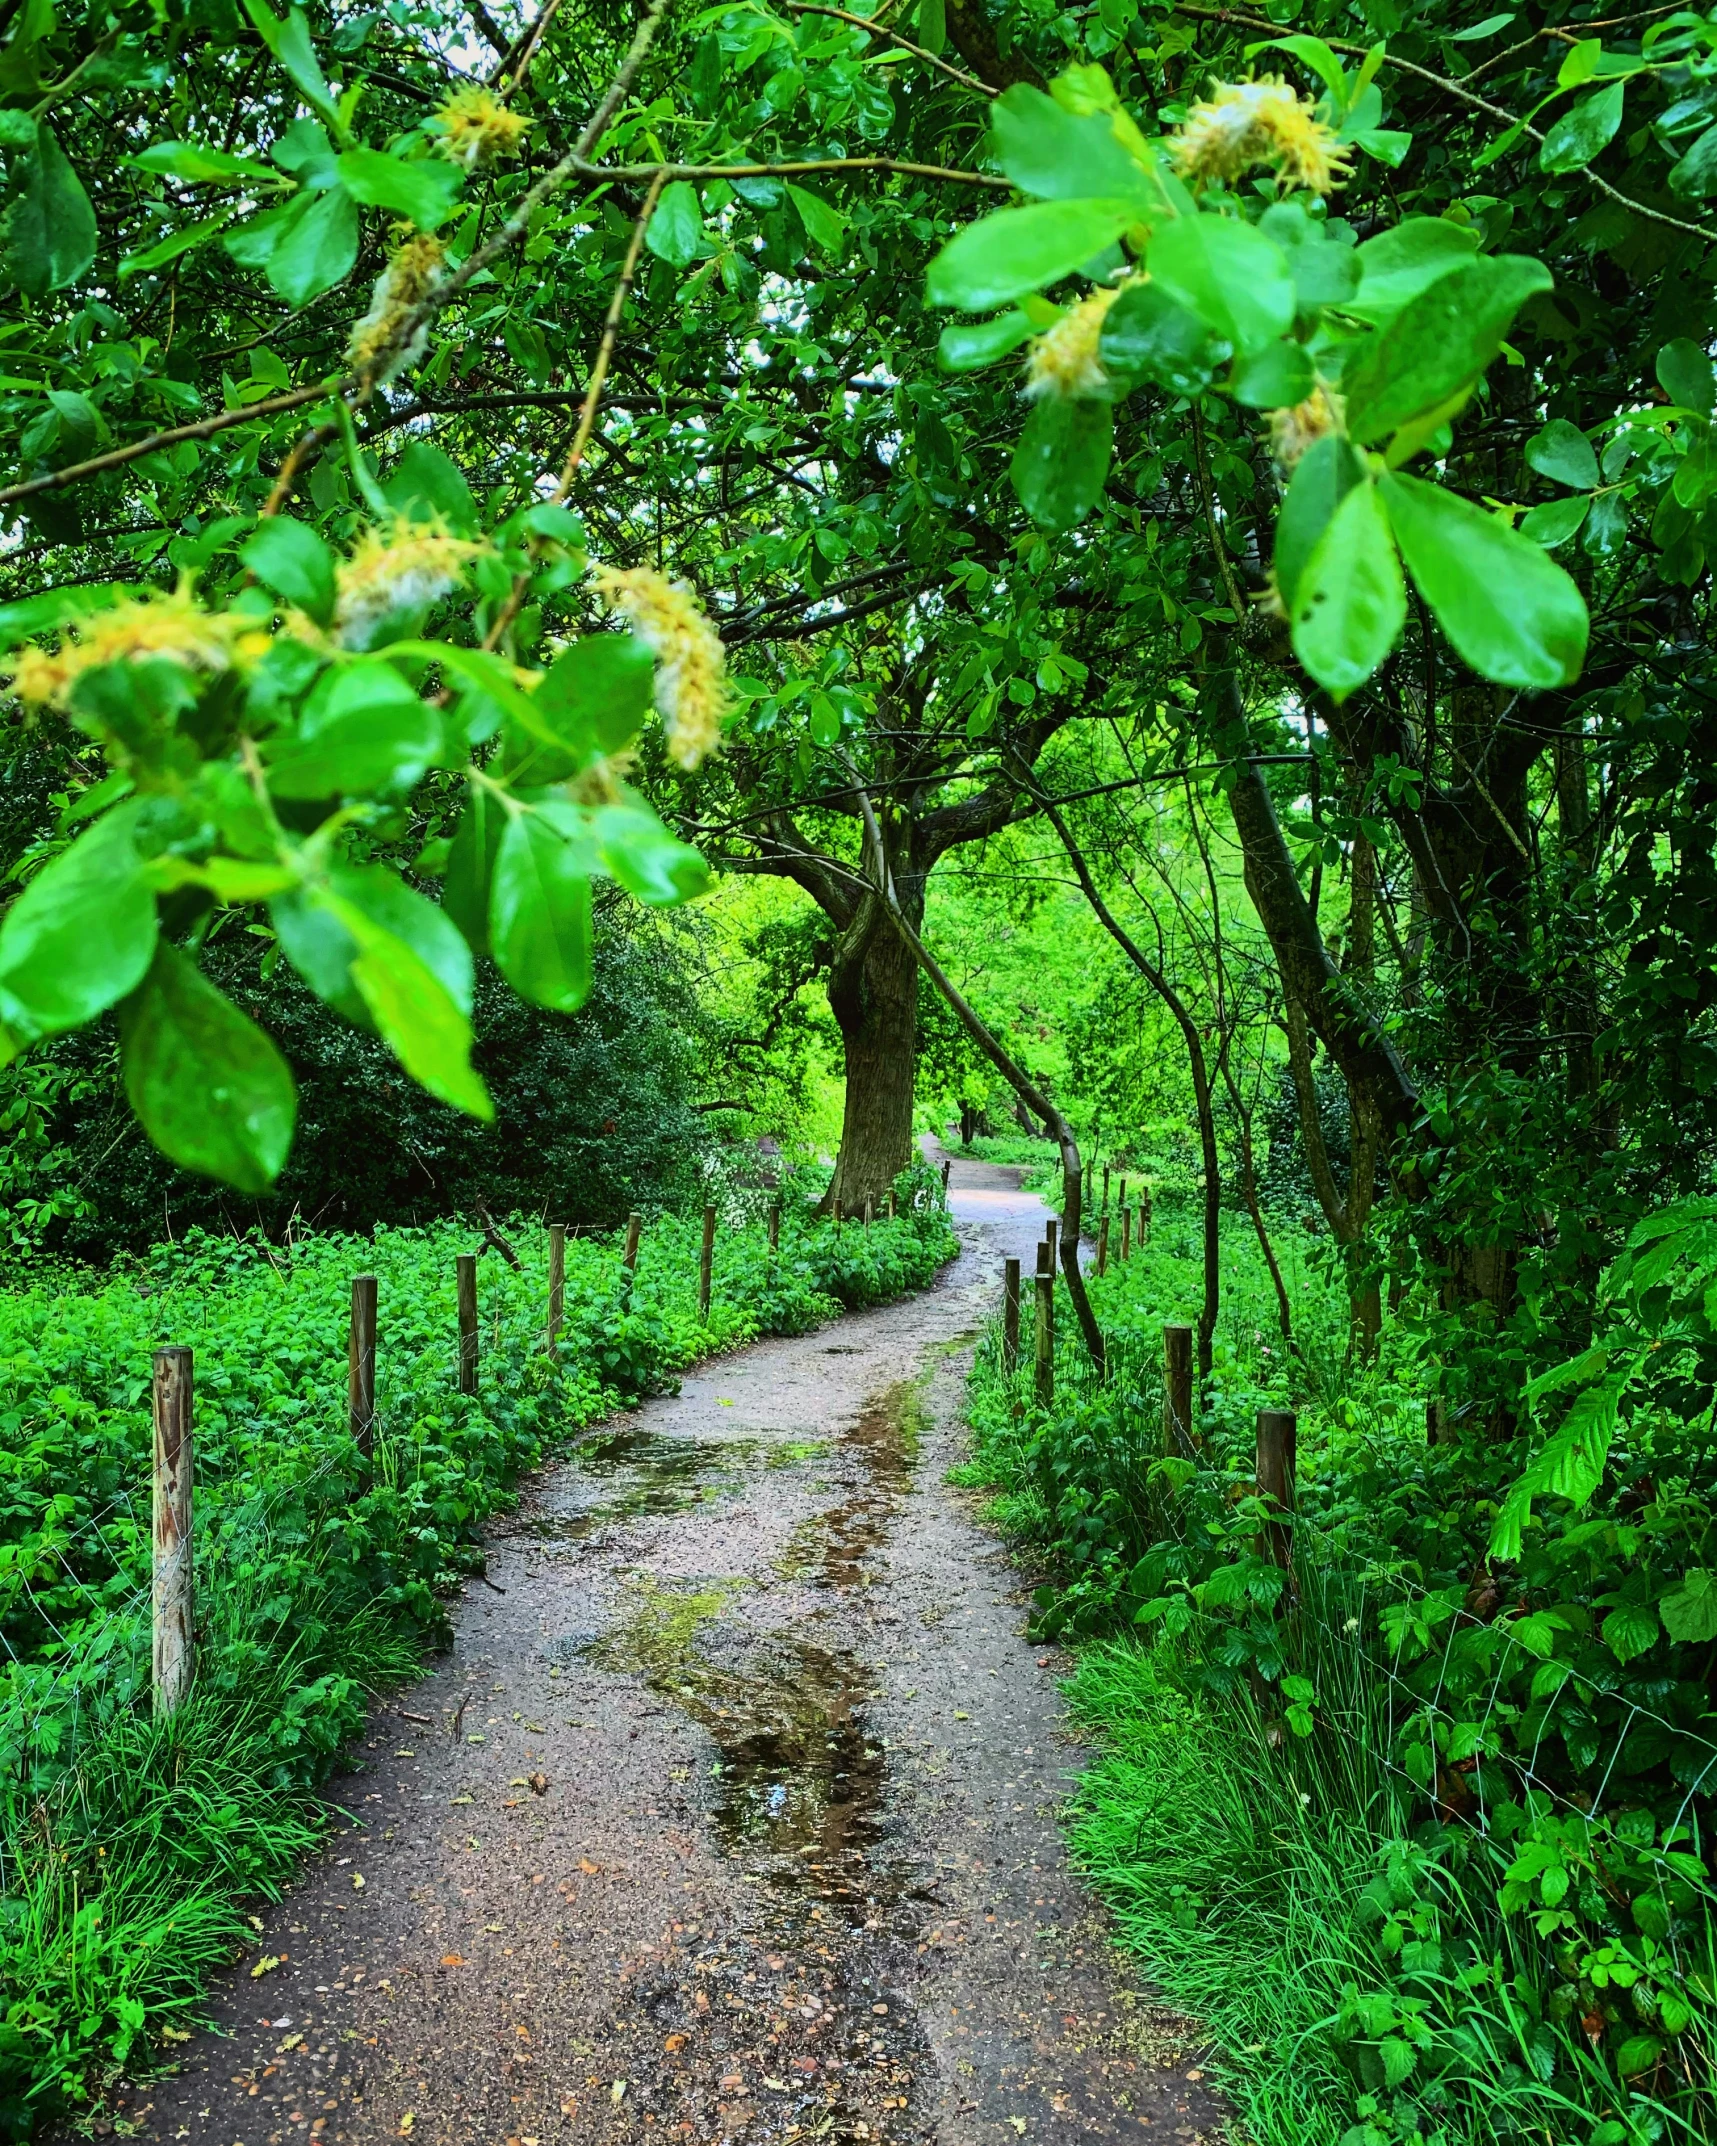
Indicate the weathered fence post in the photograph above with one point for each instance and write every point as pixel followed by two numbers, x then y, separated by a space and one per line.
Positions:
pixel 361 1364
pixel 634 1230
pixel 835 1212
pixel 775 1226
pixel 869 1210
pixel 1126 1234
pixel 1105 1188
pixel 1177 1391
pixel 706 1262
pixel 1043 1353
pixel 1010 1316
pixel 891 1206
pixel 465 1269
pixel 1144 1216
pixel 173 1594
pixel 1103 1246
pixel 1090 1169
pixel 947 1165
pixel 1278 1439
pixel 556 1283
pixel 1049 1234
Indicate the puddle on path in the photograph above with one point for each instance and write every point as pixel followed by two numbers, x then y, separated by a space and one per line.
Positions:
pixel 651 1473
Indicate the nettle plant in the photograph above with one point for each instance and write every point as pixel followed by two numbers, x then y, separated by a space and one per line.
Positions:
pixel 1220 276
pixel 257 748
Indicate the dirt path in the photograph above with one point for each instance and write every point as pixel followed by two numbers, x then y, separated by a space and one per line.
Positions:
pixel 732 1818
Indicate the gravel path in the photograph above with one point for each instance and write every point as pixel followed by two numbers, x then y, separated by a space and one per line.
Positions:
pixel 731 1818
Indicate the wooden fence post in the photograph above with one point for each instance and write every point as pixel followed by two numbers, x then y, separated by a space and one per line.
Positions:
pixel 172 1594
pixel 361 1364
pixel 706 1262
pixel 1103 1246
pixel 556 1282
pixel 1144 1215
pixel 775 1226
pixel 947 1165
pixel 465 1268
pixel 1090 1169
pixel 1277 1443
pixel 1049 1233
pixel 1043 1353
pixel 1010 1316
pixel 835 1212
pixel 1126 1234
pixel 891 1206
pixel 869 1210
pixel 634 1230
pixel 1177 1391
pixel 1105 1188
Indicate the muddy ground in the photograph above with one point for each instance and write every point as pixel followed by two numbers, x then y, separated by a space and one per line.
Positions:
pixel 730 1816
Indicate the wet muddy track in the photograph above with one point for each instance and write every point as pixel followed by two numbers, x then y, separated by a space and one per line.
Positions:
pixel 732 1817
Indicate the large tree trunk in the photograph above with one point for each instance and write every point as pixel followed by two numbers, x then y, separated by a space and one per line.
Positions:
pixel 873 992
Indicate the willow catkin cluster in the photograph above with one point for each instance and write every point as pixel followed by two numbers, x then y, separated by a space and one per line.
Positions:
pixel 1065 363
pixel 414 268
pixel 691 664
pixel 477 128
pixel 1242 124
pixel 1294 429
pixel 398 568
pixel 170 626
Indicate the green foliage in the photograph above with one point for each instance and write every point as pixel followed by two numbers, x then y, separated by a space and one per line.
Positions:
pixel 317 1578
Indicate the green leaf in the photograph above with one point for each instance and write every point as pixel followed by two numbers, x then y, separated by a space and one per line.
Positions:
pixel 194 165
pixel 1554 522
pixel 1639 2053
pixel 593 701
pixel 1230 275
pixel 1406 259
pixel 471 865
pixel 322 950
pixel 1061 462
pixel 640 854
pixel 1147 335
pixel 1684 373
pixel 50 228
pixel 315 250
pixel 1689 1612
pixel 675 230
pixel 825 226
pixel 206 1084
pixel 295 563
pixel 171 247
pixel 1059 155
pixel 289 41
pixel 81 934
pixel 1509 611
pixel 1437 347
pixel 1016 251
pixel 1696 174
pixel 962 348
pixel 1274 378
pixel 1349 601
pixel 414 1014
pixel 1606 526
pixel 1325 273
pixel 933 25
pixel 426 189
pixel 1387 144
pixel 1322 479
pixel 425 485
pixel 539 915
pixel 1563 452
pixel 1583 130
pixel 363 731
pixel 1629 1629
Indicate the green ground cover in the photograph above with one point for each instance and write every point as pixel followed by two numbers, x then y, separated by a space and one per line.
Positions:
pixel 1419 1836
pixel 129 1848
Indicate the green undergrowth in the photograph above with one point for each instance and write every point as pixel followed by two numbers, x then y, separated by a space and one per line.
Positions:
pixel 1423 1836
pixel 128 1848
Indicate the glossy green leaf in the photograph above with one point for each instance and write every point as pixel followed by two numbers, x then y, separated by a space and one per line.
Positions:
pixel 593 700
pixel 1696 172
pixel 206 1084
pixel 193 164
pixel 963 347
pixel 1147 335
pixel 1684 372
pixel 1439 344
pixel 173 246
pixel 316 250
pixel 289 41
pixel 414 1013
pixel 825 226
pixel 1325 271
pixel 50 228
pixel 426 485
pixel 1061 462
pixel 425 190
pixel 1554 522
pixel 675 231
pixel 1508 610
pixel 1322 479
pixel 1274 378
pixel 471 864
pixel 643 857
pixel 1058 155
pixel 322 949
pixel 1230 275
pixel 82 932
pixel 292 560
pixel 1606 526
pixel 1630 1629
pixel 363 729
pixel 1387 144
pixel 1406 259
pixel 1583 131
pixel 1563 452
pixel 1689 1611
pixel 539 915
pixel 1349 600
pixel 1016 251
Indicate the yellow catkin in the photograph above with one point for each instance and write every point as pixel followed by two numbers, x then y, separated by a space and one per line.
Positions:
pixel 1242 124
pixel 171 626
pixel 1065 363
pixel 691 664
pixel 477 128
pixel 413 270
pixel 396 569
pixel 1295 429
